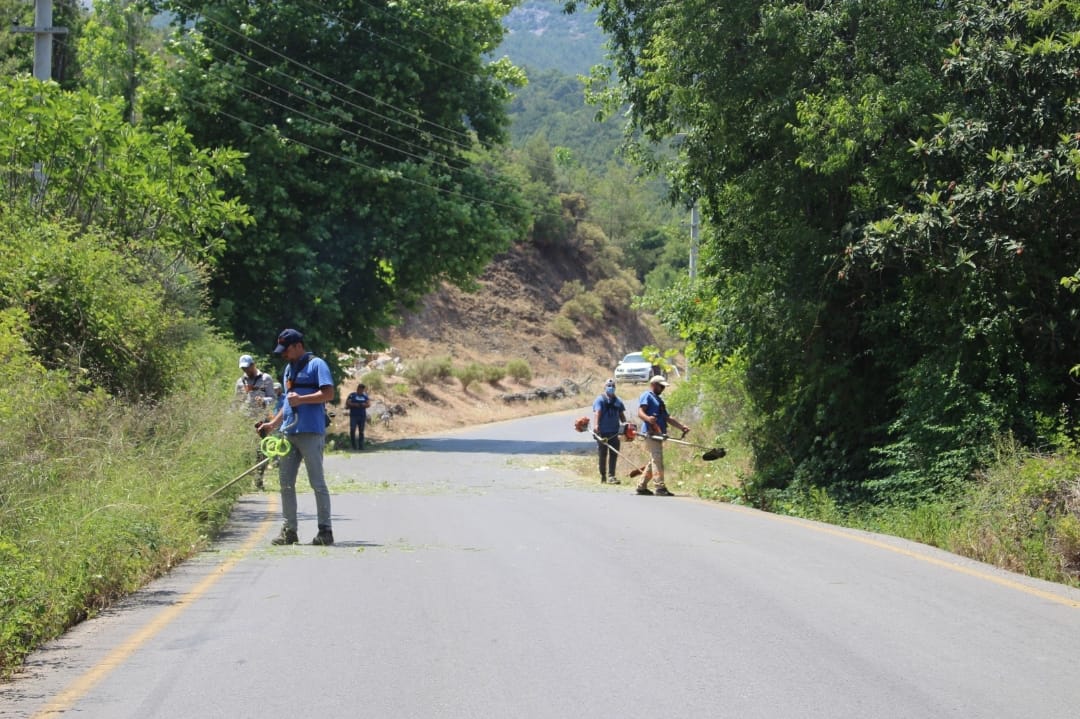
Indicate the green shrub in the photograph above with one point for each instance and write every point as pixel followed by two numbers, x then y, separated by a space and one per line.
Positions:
pixel 616 294
pixel 473 372
pixel 94 311
pixel 519 370
pixel 563 327
pixel 584 307
pixel 571 289
pixel 374 381
pixel 494 373
pixel 426 370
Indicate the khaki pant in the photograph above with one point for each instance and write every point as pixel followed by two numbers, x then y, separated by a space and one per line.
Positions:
pixel 655 469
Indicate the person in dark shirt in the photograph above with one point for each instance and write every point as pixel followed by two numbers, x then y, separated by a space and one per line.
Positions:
pixel 357 404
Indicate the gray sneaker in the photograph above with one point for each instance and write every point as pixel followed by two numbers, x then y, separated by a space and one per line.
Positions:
pixel 613 480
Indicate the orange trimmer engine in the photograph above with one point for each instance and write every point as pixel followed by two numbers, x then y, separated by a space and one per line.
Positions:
pixel 629 432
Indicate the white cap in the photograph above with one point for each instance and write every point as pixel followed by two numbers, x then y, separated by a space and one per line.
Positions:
pixel 246 361
pixel 658 379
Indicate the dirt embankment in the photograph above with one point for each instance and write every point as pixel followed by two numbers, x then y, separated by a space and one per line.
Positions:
pixel 507 318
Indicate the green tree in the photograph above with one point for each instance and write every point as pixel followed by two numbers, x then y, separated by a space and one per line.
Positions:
pixel 16 49
pixel 366 130
pixel 106 242
pixel 117 50
pixel 788 117
pixel 980 242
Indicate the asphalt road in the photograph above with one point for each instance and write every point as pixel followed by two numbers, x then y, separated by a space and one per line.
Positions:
pixel 475 577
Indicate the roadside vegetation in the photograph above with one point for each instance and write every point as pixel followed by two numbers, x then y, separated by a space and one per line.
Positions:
pixel 1020 512
pixel 98 495
pixel 880 330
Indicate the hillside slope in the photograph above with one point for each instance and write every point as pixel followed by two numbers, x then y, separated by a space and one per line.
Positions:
pixel 508 317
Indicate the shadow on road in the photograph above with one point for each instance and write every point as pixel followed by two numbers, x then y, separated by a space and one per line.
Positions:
pixel 487 446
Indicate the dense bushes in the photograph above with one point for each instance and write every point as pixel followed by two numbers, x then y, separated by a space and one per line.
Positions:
pixel 97 495
pixel 105 256
pixel 112 423
pixel 891 193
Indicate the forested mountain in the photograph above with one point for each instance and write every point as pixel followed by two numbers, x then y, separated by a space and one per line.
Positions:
pixel 541 37
pixel 553 105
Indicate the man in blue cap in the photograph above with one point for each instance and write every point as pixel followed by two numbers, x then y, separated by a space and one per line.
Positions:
pixel 308 387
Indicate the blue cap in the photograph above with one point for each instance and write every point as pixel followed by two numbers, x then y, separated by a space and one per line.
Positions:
pixel 286 338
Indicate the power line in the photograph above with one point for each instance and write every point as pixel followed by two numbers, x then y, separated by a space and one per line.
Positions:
pixel 334 81
pixel 449 159
pixel 317 89
pixel 377 170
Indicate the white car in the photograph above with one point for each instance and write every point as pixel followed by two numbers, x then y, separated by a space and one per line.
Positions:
pixel 633 368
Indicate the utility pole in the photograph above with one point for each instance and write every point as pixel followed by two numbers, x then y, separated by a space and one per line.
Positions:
pixel 694 226
pixel 43 36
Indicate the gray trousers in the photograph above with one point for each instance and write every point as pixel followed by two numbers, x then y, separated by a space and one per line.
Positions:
pixel 306 446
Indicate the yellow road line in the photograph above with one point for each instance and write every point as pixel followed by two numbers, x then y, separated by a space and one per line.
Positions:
pixel 81 686
pixel 970 571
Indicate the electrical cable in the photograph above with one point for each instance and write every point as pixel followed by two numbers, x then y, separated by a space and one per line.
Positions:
pixel 390 175
pixel 448 158
pixel 334 81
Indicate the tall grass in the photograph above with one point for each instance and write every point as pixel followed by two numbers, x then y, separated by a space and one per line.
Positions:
pixel 1022 513
pixel 97 496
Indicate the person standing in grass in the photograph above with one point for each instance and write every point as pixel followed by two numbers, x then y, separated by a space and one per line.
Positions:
pixel 609 414
pixel 357 403
pixel 255 393
pixel 308 387
pixel 654 423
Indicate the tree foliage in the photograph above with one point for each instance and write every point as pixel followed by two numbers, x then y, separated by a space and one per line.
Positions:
pixel 888 332
pixel 366 130
pixel 107 229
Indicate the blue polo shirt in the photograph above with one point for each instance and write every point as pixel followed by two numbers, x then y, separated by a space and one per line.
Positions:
pixel 360 398
pixel 610 410
pixel 306 376
pixel 654 407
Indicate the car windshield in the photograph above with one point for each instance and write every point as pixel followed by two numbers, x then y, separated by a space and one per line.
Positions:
pixel 633 357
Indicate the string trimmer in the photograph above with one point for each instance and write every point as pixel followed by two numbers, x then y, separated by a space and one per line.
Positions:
pixel 271 446
pixel 598 438
pixel 711 453
pixel 581 424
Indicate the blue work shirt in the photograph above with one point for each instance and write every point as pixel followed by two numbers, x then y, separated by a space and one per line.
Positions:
pixel 360 398
pixel 306 376
pixel 610 411
pixel 654 407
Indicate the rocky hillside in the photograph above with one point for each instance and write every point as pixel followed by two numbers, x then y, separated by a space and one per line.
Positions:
pixel 510 317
